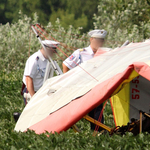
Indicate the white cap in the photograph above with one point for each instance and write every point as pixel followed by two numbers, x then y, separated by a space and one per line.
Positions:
pixel 50 43
pixel 98 33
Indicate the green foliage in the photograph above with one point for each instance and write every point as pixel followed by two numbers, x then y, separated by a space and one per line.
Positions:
pixel 9 10
pixel 14 45
pixel 75 12
pixel 11 101
pixel 17 41
pixel 124 20
pixel 67 18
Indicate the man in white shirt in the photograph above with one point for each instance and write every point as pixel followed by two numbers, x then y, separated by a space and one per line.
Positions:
pixel 36 66
pixel 81 55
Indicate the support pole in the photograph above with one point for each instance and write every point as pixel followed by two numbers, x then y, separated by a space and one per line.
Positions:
pixel 49 58
pixel 75 128
pixel 125 43
pixel 147 115
pixel 90 119
pixel 49 71
pixel 140 121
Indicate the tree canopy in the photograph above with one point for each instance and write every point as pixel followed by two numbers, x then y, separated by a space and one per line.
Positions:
pixel 78 13
pixel 124 20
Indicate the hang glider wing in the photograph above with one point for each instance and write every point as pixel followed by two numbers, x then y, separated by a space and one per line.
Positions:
pixel 65 99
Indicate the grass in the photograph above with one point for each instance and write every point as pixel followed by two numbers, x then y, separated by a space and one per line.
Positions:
pixel 11 101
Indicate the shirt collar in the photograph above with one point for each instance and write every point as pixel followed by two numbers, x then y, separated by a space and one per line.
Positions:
pixel 41 56
pixel 89 49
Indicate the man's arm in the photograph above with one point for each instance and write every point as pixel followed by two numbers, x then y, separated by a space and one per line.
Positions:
pixel 29 84
pixel 65 68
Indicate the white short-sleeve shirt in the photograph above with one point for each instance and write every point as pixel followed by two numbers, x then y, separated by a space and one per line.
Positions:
pixel 79 56
pixel 35 68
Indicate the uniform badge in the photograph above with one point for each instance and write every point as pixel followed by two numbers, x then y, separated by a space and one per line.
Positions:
pixel 37 58
pixel 71 57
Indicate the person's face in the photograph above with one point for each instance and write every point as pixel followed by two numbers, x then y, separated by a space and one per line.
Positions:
pixel 97 42
pixel 51 51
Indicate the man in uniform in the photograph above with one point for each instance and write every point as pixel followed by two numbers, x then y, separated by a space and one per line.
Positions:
pixel 36 66
pixel 35 70
pixel 81 55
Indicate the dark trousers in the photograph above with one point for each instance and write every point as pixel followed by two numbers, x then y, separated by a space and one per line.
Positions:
pixel 25 91
pixel 95 113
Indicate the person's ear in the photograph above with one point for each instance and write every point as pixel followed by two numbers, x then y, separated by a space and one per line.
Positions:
pixel 91 39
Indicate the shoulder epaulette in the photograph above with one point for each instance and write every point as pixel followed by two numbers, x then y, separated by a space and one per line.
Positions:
pixel 81 49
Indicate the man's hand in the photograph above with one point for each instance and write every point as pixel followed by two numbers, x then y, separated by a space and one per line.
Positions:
pixel 65 68
pixel 29 84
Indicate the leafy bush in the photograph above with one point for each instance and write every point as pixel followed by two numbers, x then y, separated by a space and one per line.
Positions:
pixel 16 41
pixel 11 101
pixel 124 20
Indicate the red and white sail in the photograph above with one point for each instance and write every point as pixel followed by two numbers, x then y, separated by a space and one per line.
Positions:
pixel 65 99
